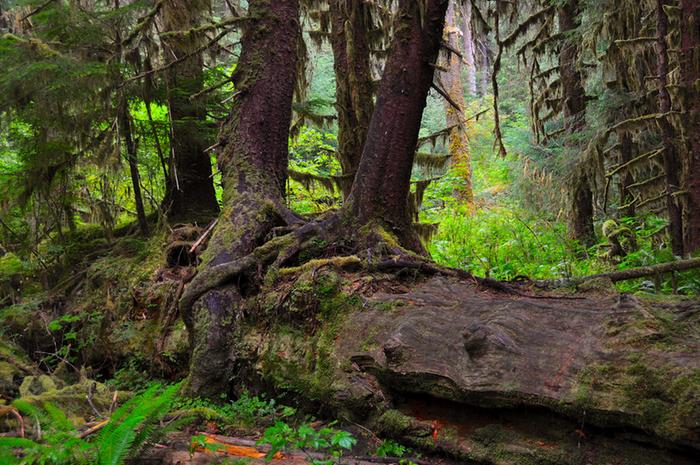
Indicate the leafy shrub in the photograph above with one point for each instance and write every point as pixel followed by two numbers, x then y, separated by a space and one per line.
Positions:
pixel 329 441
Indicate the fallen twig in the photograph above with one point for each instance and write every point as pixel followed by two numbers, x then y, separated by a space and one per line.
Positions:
pixel 93 429
pixel 13 411
pixel 203 236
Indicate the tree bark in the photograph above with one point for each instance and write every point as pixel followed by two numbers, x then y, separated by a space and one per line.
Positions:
pixel 671 161
pixel 380 191
pixel 574 111
pixel 452 84
pixel 353 83
pixel 189 193
pixel 253 162
pixel 469 49
pixel 573 92
pixel 626 178
pixel 690 76
pixel 485 63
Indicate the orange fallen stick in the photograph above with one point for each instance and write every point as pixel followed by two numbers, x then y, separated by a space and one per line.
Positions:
pixel 233 450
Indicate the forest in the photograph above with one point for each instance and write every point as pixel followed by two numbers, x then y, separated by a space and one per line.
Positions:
pixel 351 232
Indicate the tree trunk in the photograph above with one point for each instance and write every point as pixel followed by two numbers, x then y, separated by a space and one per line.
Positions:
pixel 672 166
pixel 380 191
pixel 125 132
pixel 156 139
pixel 353 83
pixel 189 193
pixel 485 62
pixel 253 162
pixel 574 110
pixel 573 93
pixel 469 48
pixel 452 84
pixel 626 178
pixel 690 76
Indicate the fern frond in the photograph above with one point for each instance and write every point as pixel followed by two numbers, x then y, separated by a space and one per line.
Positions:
pixel 114 448
pixel 28 409
pixel 126 409
pixel 17 443
pixel 58 419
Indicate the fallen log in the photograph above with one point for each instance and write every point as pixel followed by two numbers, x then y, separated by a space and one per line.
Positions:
pixel 644 271
pixel 448 364
pixel 621 275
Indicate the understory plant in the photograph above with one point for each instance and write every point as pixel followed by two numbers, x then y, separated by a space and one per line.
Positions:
pixel 56 441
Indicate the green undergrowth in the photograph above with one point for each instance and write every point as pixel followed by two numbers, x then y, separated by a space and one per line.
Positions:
pixel 246 412
pixel 52 438
pixel 103 308
pixel 509 243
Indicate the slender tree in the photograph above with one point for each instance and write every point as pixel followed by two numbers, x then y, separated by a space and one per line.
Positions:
pixel 189 188
pixel 125 130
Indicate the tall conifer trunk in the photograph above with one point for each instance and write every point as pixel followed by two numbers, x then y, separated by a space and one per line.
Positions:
pixel 380 191
pixel 469 48
pixel 453 85
pixel 670 154
pixel 253 162
pixel 353 82
pixel 189 188
pixel 690 81
pixel 626 178
pixel 574 108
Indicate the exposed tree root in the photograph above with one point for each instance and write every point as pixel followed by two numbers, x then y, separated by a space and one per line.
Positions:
pixel 375 251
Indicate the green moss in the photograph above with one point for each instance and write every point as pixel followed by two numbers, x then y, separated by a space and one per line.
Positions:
pixel 301 354
pixel 389 305
pixel 660 399
pixel 394 423
pixel 349 262
pixel 73 399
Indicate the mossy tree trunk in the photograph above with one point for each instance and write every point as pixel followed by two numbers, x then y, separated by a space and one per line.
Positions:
pixel 574 110
pixel 690 81
pixel 380 191
pixel 189 188
pixel 350 32
pixel 452 82
pixel 253 162
pixel 671 161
